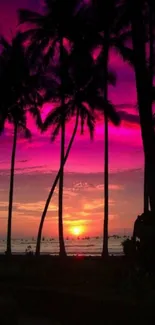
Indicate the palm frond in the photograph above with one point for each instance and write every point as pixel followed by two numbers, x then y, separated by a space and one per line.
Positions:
pixel 37 116
pixel 91 124
pixel 82 117
pixel 108 109
pixel 4 43
pixel 50 53
pixel 87 116
pixel 125 36
pixel 27 133
pixel 112 78
pixel 153 93
pixel 55 132
pixel 126 53
pixel 122 17
pixel 52 118
pixel 2 123
pixel 28 16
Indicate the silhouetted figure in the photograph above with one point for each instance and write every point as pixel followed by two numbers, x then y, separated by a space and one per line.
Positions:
pixel 144 239
pixel 129 248
pixel 29 250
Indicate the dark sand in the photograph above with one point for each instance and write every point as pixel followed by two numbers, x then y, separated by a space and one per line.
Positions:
pixel 78 291
pixel 24 320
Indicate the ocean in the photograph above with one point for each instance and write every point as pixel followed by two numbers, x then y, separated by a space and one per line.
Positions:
pixel 78 246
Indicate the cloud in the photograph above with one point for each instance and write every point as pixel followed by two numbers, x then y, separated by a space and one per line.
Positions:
pixel 23 161
pixel 77 222
pixel 115 187
pixel 3 204
pixel 82 186
pixel 113 217
pixel 36 207
pixel 96 204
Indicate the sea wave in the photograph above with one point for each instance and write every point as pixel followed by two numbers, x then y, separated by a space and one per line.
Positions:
pixel 91 246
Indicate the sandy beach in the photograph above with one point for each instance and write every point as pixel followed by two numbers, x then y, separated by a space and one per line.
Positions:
pixel 76 291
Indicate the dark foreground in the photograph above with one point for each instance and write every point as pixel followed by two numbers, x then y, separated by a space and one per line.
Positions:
pixel 75 291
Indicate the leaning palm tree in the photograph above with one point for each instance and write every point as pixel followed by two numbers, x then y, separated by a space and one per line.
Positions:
pixel 16 93
pixel 47 38
pixel 82 82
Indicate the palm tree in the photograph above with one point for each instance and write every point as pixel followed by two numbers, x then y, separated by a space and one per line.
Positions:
pixel 103 13
pixel 137 29
pixel 51 29
pixel 144 89
pixel 83 96
pixel 45 36
pixel 151 74
pixel 137 19
pixel 16 93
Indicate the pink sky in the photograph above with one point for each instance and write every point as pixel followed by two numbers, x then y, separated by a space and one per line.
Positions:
pixel 38 159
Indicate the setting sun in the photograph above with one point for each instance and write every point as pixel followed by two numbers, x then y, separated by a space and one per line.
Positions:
pixel 76 230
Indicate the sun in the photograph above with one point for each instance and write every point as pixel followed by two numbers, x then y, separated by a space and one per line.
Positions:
pixel 76 230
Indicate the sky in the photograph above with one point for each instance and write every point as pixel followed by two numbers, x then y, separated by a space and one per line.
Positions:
pixel 37 161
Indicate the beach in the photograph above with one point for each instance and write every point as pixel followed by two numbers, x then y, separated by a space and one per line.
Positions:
pixel 78 290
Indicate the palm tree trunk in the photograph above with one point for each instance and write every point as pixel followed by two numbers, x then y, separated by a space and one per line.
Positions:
pixel 144 96
pixel 54 186
pixel 146 195
pixel 151 65
pixel 9 228
pixel 62 251
pixel 106 153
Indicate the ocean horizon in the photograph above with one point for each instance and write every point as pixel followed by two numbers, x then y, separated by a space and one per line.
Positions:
pixel 87 246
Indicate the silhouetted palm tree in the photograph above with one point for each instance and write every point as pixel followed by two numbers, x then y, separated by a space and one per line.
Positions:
pixel 137 29
pixel 138 21
pixel 48 37
pixel 151 17
pixel 82 86
pixel 16 93
pixel 102 15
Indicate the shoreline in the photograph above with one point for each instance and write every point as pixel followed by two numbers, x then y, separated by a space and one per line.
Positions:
pixel 83 254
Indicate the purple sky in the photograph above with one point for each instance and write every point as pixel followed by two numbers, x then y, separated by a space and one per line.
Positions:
pixel 38 159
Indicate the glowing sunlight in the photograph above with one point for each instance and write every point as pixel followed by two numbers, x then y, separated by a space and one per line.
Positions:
pixel 77 230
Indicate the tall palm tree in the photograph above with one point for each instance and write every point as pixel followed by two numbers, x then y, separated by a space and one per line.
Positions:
pixel 146 11
pixel 45 36
pixel 106 33
pixel 151 16
pixel 51 29
pixel 16 94
pixel 103 13
pixel 138 21
pixel 144 89
pixel 137 29
pixel 84 96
